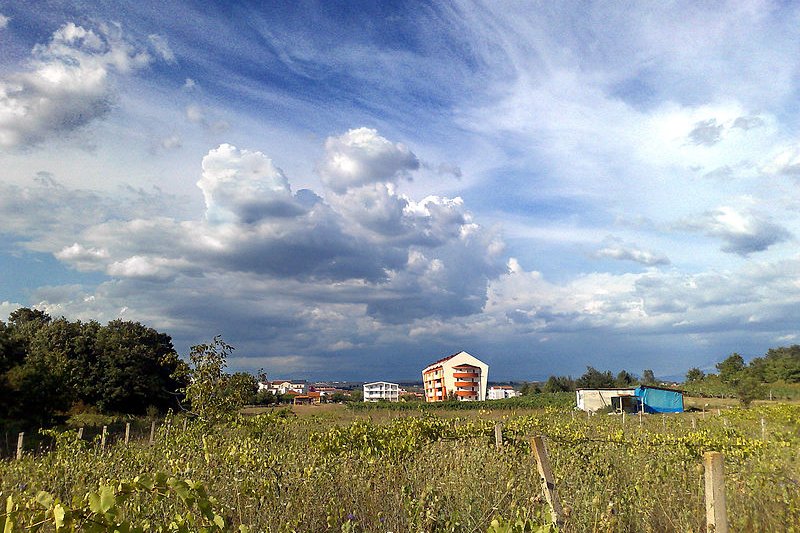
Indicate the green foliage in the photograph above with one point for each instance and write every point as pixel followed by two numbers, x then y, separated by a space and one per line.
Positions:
pixel 649 378
pixel 213 394
pixel 694 375
pixel 559 384
pixel 47 366
pixel 731 368
pixel 594 379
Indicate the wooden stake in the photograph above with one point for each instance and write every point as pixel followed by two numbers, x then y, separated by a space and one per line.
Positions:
pixel 127 432
pixel 716 508
pixel 498 436
pixel 623 417
pixel 548 482
pixel 20 438
pixel 80 433
pixel 763 429
pixel 694 423
pixel 103 438
pixel 152 432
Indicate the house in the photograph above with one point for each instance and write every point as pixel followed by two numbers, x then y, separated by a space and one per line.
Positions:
pixel 499 392
pixel 645 398
pixel 459 376
pixel 381 390
pixel 281 386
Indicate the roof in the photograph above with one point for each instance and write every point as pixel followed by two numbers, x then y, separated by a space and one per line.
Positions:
pixel 379 382
pixel 633 388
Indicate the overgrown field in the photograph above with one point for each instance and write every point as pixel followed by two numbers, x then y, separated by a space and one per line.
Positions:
pixel 411 472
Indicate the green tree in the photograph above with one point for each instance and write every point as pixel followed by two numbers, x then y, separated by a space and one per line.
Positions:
pixel 648 377
pixel 242 388
pixel 748 389
pixel 694 375
pixel 559 384
pixel 624 379
pixel 594 379
pixel 207 381
pixel 730 370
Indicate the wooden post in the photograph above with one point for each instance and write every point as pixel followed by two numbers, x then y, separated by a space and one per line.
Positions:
pixel 770 395
pixel 498 436
pixel 719 412
pixel 664 422
pixel 127 432
pixel 185 420
pixel 716 508
pixel 548 482
pixel 152 432
pixel 20 438
pixel 80 433
pixel 623 417
pixel 763 429
pixel 103 438
pixel 694 423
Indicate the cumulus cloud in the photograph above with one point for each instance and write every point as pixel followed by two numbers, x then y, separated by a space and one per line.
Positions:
pixel 615 248
pixel 360 157
pixel 365 245
pixel 3 21
pixel 743 232
pixel 67 83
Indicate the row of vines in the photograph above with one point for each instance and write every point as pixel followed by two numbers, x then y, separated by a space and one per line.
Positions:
pixel 412 473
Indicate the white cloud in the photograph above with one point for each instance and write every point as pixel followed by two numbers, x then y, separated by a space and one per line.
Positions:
pixel 68 83
pixel 3 21
pixel 614 248
pixel 743 232
pixel 361 156
pixel 161 47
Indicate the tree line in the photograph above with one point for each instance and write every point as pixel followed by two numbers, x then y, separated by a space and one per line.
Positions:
pixel 51 366
pixel 591 379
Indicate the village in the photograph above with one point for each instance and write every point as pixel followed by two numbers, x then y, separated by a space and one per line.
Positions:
pixel 465 378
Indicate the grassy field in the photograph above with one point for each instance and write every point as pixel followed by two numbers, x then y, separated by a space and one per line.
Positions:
pixel 329 468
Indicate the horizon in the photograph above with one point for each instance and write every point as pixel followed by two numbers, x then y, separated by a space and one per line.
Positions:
pixel 342 187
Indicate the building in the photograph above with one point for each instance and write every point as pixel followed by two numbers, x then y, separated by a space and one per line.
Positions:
pixel 499 392
pixel 631 399
pixel 381 390
pixel 459 376
pixel 281 386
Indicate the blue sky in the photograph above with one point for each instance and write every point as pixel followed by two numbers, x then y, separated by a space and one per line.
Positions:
pixel 348 190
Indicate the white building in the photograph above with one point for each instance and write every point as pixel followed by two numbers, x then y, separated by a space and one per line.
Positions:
pixel 499 392
pixel 381 390
pixel 596 399
pixel 459 376
pixel 280 387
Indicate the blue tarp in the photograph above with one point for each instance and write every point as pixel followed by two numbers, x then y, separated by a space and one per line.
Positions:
pixel 660 400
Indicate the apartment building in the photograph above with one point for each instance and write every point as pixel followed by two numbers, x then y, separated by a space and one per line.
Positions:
pixel 381 390
pixel 460 376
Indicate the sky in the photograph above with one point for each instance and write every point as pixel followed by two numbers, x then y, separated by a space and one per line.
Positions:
pixel 351 190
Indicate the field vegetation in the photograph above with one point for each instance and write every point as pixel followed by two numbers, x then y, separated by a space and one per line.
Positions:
pixel 347 471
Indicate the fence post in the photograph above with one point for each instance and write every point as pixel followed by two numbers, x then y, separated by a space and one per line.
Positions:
pixel 694 423
pixel 20 438
pixel 80 433
pixel 152 432
pixel 763 429
pixel 716 508
pixel 127 432
pixel 548 482
pixel 498 436
pixel 103 439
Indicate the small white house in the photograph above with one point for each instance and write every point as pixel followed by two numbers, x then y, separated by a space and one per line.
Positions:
pixel 381 390
pixel 499 392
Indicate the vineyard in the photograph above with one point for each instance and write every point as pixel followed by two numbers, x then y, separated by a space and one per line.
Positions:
pixel 411 472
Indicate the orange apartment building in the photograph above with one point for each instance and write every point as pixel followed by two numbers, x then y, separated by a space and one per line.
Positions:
pixel 460 376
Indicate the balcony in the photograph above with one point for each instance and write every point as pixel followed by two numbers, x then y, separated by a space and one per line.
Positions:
pixel 467 383
pixel 458 375
pixel 466 393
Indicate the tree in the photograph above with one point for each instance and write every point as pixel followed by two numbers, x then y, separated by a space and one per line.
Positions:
pixel 529 389
pixel 242 388
pixel 731 368
pixel 207 381
pixel 594 379
pixel 648 377
pixel 748 389
pixel 694 375
pixel 624 379
pixel 559 384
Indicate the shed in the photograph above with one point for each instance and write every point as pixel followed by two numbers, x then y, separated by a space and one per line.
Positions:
pixel 648 398
pixel 660 400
